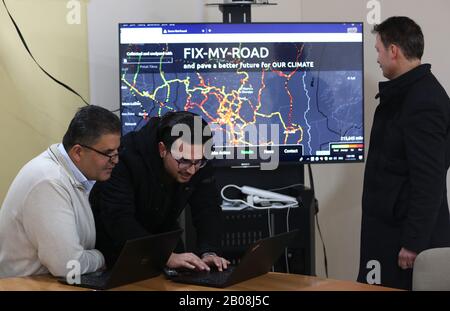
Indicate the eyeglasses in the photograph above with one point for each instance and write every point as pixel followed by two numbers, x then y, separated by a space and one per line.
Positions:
pixel 184 164
pixel 111 157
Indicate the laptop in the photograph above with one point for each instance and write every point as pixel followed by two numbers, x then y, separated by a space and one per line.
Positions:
pixel 257 260
pixel 140 259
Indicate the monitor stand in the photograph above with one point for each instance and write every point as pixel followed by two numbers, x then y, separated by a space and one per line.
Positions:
pixel 238 11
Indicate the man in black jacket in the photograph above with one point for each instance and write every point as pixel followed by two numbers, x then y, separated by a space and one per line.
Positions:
pixel 404 205
pixel 162 168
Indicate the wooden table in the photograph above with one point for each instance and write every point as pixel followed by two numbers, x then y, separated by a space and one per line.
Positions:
pixel 271 281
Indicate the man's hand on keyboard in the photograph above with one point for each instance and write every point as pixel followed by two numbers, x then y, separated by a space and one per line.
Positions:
pixel 187 260
pixel 211 259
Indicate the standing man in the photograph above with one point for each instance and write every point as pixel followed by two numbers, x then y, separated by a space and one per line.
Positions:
pixel 46 222
pixel 404 204
pixel 162 169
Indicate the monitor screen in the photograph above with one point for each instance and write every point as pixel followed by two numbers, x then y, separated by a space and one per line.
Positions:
pixel 290 89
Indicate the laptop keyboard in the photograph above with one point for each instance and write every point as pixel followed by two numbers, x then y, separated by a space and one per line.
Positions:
pixel 208 278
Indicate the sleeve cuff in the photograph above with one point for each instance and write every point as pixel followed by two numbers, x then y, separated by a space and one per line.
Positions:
pixel 208 254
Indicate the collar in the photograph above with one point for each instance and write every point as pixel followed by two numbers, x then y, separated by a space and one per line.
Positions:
pixel 87 184
pixel 397 85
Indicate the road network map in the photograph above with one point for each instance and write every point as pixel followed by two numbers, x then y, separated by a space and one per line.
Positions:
pixel 311 91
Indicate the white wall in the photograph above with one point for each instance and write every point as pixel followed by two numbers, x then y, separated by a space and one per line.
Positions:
pixel 339 187
pixel 103 19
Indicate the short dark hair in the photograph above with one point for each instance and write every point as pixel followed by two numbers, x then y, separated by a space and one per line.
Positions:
pixel 89 124
pixel 403 32
pixel 170 119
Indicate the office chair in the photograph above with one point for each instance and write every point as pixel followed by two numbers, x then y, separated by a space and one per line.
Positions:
pixel 432 270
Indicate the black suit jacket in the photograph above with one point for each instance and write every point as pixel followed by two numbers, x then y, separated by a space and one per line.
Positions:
pixel 135 202
pixel 404 197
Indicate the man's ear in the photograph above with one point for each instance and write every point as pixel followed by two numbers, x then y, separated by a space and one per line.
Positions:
pixel 162 149
pixel 394 51
pixel 75 153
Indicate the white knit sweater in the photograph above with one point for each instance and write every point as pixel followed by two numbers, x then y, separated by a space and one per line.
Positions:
pixel 46 221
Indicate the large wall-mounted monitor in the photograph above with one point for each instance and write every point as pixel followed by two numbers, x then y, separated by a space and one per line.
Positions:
pixel 293 88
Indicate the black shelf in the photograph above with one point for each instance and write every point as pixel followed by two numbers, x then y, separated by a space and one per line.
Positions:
pixel 243 227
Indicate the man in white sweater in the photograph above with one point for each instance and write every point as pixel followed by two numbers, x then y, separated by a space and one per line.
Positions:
pixel 46 223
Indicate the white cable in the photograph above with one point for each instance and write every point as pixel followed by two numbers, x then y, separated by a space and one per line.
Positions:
pixel 237 200
pixel 255 199
pixel 286 250
pixel 287 187
pixel 269 225
pixel 230 200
